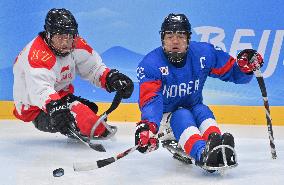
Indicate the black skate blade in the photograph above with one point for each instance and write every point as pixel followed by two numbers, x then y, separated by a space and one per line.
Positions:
pixel 182 159
pixel 97 147
pixel 178 153
pixel 219 169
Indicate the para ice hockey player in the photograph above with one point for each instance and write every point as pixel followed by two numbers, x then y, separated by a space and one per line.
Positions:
pixel 43 75
pixel 171 80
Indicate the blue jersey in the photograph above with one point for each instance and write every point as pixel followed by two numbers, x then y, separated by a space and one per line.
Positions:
pixel 165 88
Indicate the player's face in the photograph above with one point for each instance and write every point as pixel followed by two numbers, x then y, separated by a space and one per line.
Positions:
pixel 175 41
pixel 62 42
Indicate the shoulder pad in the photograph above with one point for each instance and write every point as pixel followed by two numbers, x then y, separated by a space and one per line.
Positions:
pixel 40 55
pixel 82 44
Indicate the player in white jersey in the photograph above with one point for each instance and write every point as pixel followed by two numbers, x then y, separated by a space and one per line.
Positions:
pixel 43 75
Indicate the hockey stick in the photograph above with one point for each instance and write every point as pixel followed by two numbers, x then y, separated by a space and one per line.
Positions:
pixel 112 129
pixel 103 162
pixel 86 166
pixel 95 146
pixel 262 87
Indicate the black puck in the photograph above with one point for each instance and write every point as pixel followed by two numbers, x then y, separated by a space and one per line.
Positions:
pixel 58 172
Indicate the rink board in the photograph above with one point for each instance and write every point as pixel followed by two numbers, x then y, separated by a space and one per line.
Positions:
pixel 232 114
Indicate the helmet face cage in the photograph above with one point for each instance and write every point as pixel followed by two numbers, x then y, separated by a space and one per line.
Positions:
pixel 60 21
pixel 175 23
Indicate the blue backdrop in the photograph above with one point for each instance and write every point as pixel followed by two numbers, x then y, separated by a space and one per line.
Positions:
pixel 123 31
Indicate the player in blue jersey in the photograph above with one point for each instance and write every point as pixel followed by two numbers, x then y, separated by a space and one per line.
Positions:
pixel 171 80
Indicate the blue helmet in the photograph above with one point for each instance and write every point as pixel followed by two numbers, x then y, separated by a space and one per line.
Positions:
pixel 175 22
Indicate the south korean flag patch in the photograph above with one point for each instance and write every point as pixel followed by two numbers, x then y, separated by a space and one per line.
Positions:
pixel 140 73
pixel 164 70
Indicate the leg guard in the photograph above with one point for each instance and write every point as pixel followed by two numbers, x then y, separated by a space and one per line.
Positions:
pixel 85 119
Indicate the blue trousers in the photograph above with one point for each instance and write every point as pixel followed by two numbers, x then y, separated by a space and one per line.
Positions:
pixel 186 125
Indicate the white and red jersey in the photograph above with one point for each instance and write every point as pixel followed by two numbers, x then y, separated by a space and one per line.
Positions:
pixel 40 76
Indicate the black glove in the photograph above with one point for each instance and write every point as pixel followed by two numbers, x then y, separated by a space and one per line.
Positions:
pixel 144 136
pixel 60 115
pixel 116 81
pixel 43 123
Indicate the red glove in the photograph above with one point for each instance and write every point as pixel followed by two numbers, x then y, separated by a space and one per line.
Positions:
pixel 249 60
pixel 144 136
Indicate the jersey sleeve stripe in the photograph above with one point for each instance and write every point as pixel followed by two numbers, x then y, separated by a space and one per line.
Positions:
pixel 103 78
pixel 148 90
pixel 220 71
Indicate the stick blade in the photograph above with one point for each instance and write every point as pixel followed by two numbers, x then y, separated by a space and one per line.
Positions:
pixel 97 147
pixel 85 166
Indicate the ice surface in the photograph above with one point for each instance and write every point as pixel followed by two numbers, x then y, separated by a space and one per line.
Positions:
pixel 29 156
